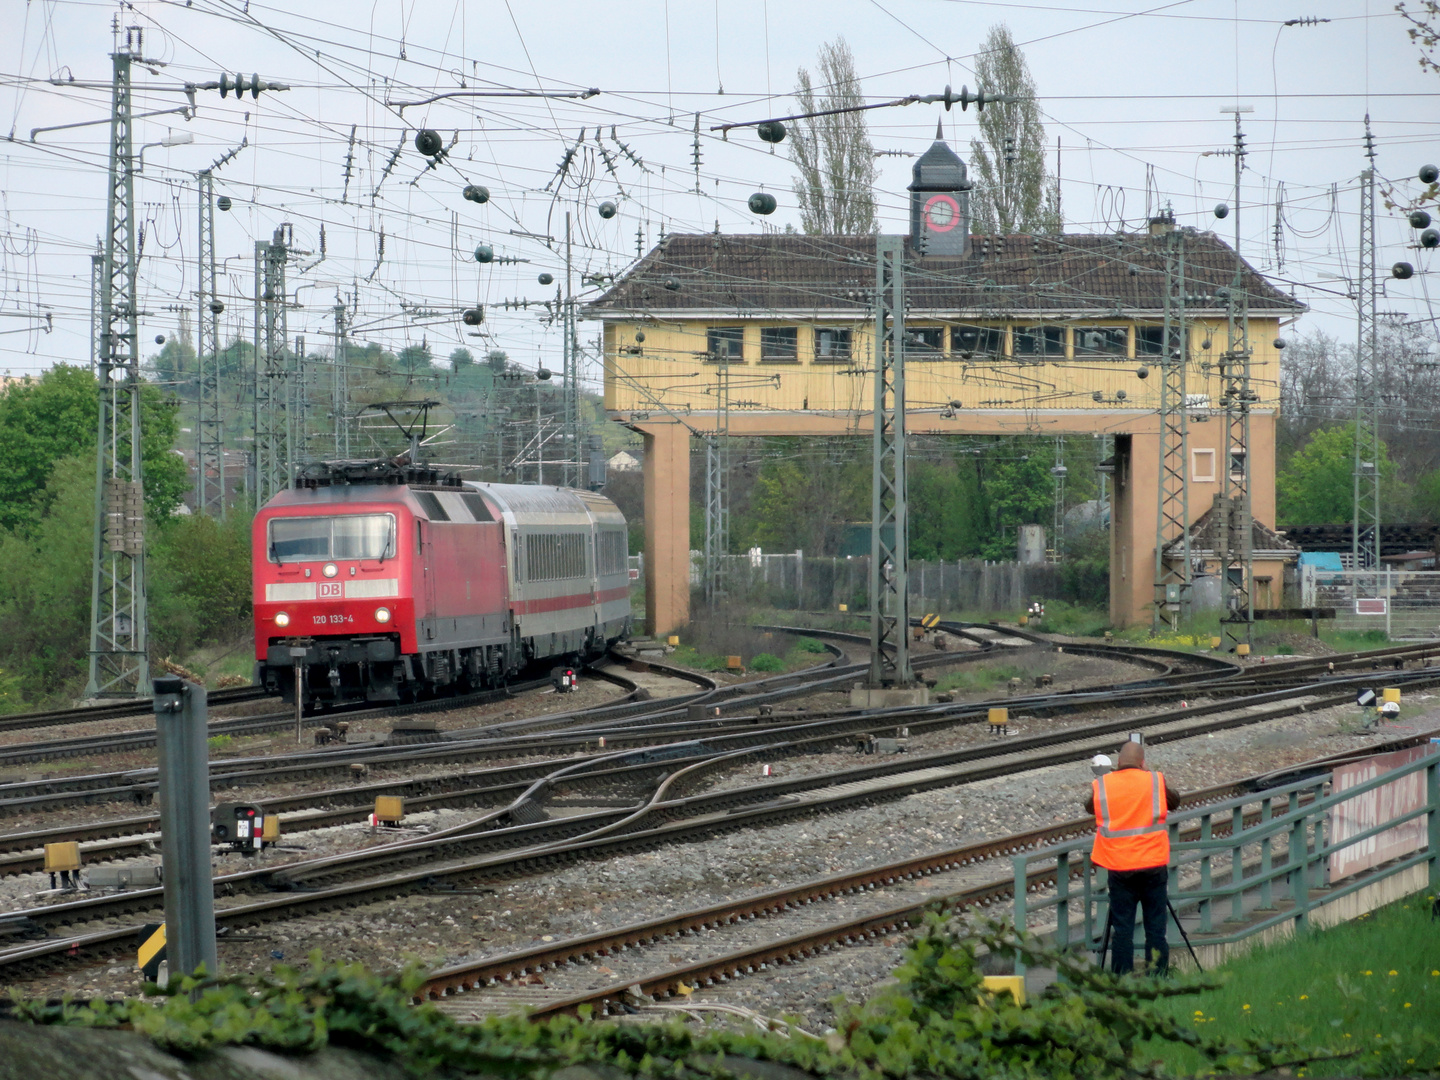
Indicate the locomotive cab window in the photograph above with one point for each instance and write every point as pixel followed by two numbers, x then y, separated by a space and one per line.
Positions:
pixel 316 539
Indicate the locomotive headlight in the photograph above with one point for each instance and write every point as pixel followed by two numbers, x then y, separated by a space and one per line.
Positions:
pixel 382 614
pixel 330 569
pixel 282 619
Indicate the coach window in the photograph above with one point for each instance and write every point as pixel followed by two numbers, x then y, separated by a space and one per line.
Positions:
pixel 779 345
pixel 725 343
pixel 832 345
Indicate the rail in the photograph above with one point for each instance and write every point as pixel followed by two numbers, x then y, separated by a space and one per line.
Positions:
pixel 1234 856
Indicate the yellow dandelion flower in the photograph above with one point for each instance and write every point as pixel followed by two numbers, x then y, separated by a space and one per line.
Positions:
pixel 1199 1012
pixel 1304 997
pixel 1394 972
pixel 1245 1006
pixel 1407 1004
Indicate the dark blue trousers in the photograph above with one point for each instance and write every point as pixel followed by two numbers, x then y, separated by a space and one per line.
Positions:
pixel 1150 890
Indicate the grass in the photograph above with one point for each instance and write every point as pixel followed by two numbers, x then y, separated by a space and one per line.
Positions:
pixel 978 677
pixel 1370 988
pixel 804 652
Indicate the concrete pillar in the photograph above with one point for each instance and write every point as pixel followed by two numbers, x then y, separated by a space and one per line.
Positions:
pixel 667 527
pixel 1132 527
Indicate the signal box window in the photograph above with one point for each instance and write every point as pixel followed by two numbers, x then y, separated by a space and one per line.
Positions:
pixel 725 343
pixel 1149 341
pixel 1039 341
pixel 1202 466
pixel 1101 340
pixel 779 345
pixel 925 341
pixel 982 340
pixel 832 345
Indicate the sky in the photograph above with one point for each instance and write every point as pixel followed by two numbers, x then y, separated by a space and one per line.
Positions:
pixel 1133 96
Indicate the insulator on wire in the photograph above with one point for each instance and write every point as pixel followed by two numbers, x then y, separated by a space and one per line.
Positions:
pixel 473 316
pixel 223 202
pixel 484 253
pixel 762 202
pixel 216 307
pixel 1221 210
pixel 429 142
pixel 1429 238
pixel 1403 271
pixel 476 193
pixel 1419 219
pixel 607 209
pixel 547 279
pixel 1429 174
pixel 672 284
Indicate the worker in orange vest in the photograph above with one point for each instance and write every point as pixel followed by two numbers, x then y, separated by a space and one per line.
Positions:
pixel 1132 842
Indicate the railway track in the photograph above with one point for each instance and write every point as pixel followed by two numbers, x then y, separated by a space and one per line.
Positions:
pixel 472 852
pixel 111 710
pixel 803 921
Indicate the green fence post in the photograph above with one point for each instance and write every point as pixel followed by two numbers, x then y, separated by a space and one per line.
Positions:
pixel 1266 901
pixel 1320 823
pixel 1205 834
pixel 1087 872
pixel 1237 863
pixel 1432 797
pixel 1062 895
pixel 1018 861
pixel 1299 894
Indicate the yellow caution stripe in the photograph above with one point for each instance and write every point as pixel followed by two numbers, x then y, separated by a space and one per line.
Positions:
pixel 152 950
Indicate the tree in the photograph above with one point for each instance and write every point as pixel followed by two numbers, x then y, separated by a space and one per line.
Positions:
pixel 1424 30
pixel 461 357
pixel 415 358
pixel 52 417
pixel 1014 192
pixel 1317 485
pixel 836 185
pixel 498 359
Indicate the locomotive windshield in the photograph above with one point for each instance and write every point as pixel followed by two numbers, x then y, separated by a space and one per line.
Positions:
pixel 317 539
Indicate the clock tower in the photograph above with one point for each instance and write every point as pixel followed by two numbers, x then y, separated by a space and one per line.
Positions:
pixel 939 202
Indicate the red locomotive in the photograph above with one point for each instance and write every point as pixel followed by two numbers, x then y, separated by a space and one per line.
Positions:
pixel 398 581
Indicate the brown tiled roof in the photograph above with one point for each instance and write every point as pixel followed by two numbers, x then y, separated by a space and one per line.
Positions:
pixel 1205 536
pixel 789 272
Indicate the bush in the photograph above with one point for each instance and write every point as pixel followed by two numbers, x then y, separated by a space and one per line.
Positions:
pixel 810 645
pixel 767 662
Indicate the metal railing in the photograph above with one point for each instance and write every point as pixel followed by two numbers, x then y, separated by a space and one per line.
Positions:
pixel 1260 859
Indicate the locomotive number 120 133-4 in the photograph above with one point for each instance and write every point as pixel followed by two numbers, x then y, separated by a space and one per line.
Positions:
pixel 331 620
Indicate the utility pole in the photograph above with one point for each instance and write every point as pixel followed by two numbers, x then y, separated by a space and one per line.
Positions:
pixel 340 385
pixel 119 658
pixel 889 514
pixel 1365 519
pixel 1172 521
pixel 1236 544
pixel 210 428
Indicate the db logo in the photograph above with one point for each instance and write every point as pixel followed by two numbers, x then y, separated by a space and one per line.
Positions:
pixel 331 590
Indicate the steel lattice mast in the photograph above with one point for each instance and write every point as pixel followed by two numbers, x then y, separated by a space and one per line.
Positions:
pixel 1172 523
pixel 273 384
pixel 1236 535
pixel 340 385
pixel 889 514
pixel 210 428
pixel 119 662
pixel 1365 518
pixel 717 483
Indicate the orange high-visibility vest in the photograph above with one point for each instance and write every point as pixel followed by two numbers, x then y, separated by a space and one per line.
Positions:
pixel 1130 809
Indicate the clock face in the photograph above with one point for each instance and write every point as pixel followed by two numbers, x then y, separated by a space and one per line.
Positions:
pixel 941 213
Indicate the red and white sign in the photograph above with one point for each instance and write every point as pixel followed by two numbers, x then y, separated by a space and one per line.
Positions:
pixel 1375 807
pixel 1372 606
pixel 331 590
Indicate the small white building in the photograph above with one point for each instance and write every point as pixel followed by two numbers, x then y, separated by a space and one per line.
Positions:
pixel 624 461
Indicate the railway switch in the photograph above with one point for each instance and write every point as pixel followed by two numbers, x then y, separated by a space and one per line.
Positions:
pixel 999 720
pixel 63 859
pixel 145 876
pixel 1042 681
pixel 240 825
